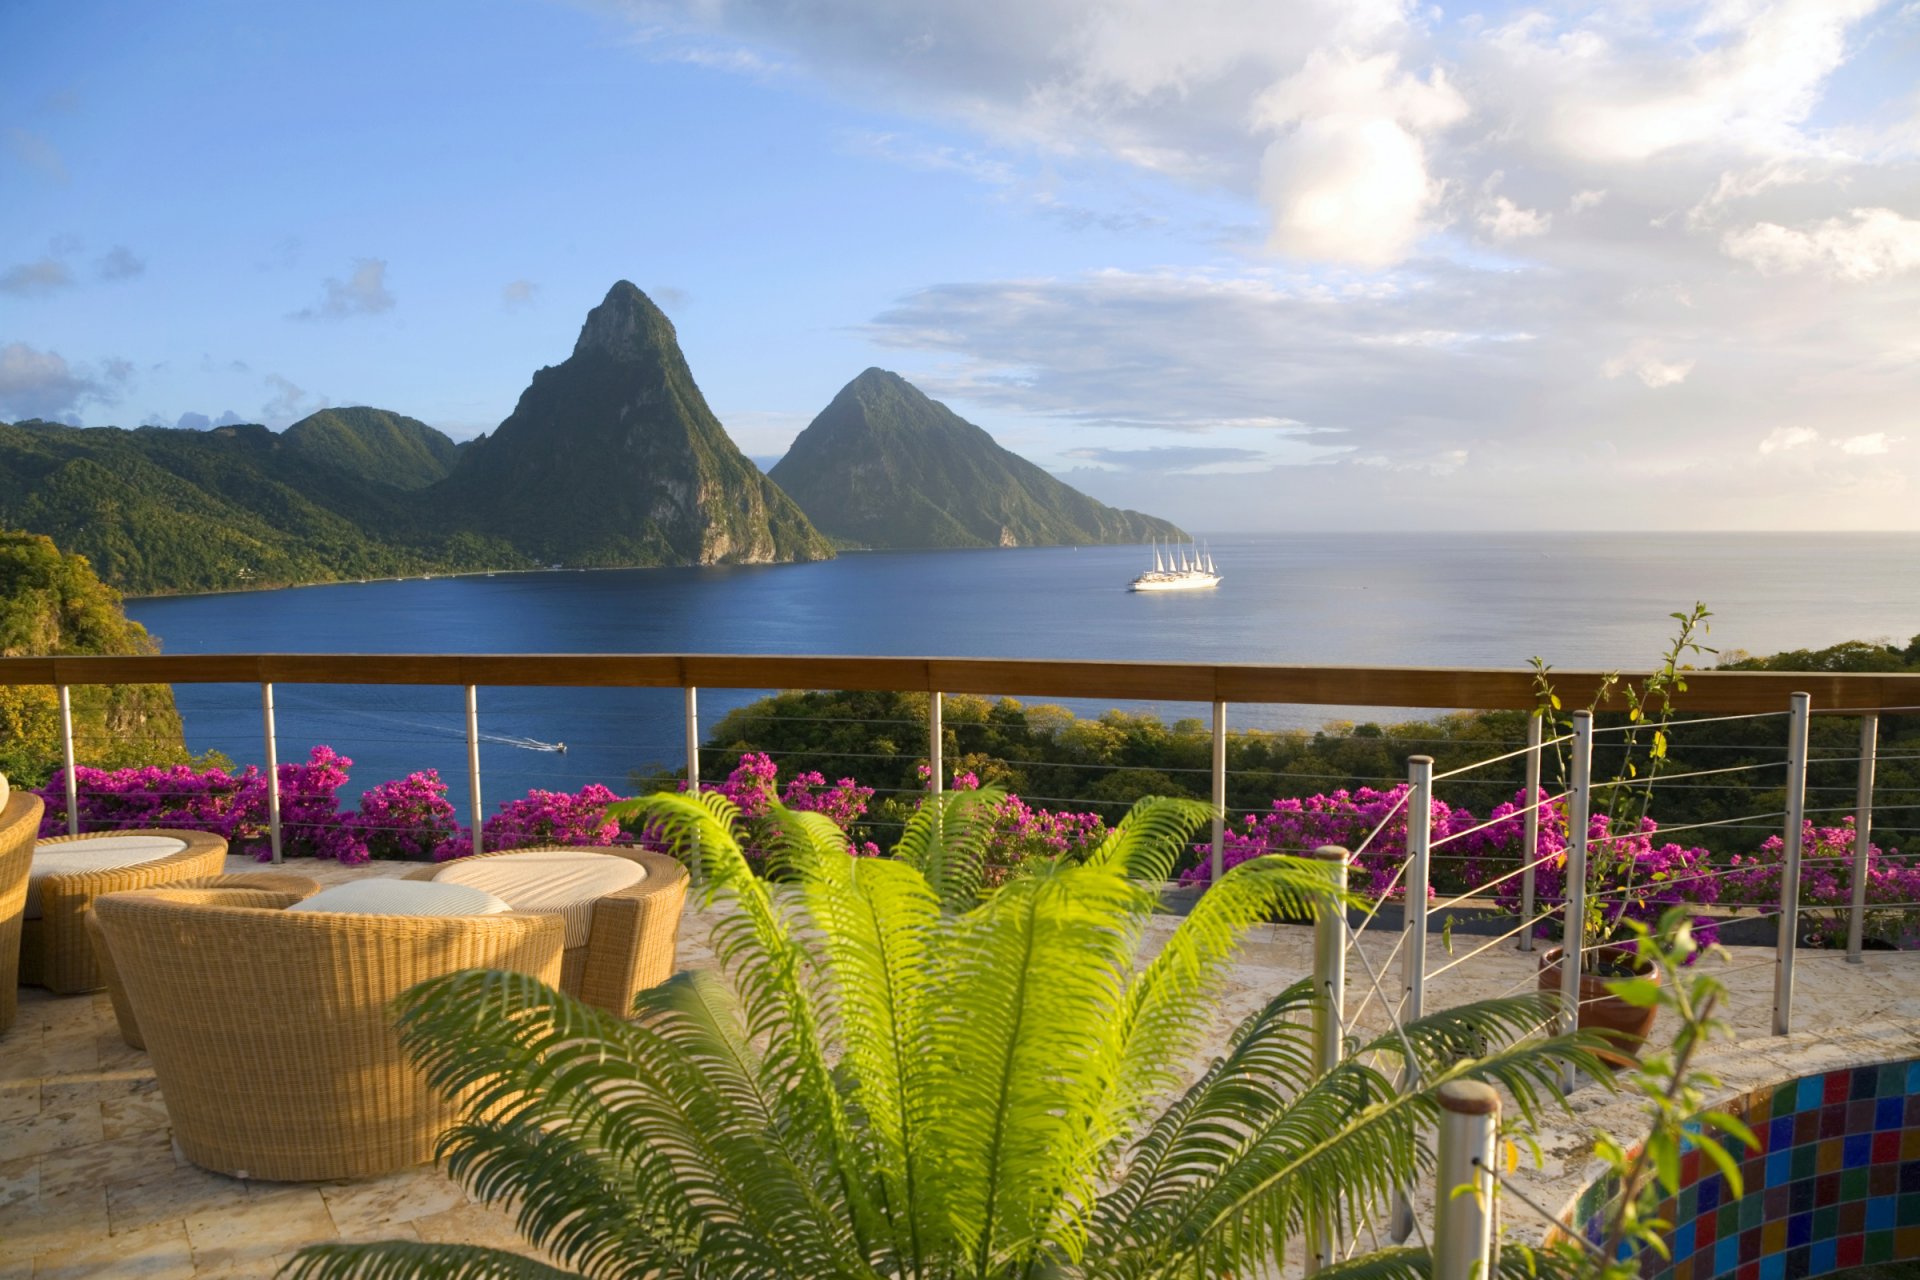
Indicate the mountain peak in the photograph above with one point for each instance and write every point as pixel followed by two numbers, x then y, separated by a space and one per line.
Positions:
pixel 885 466
pixel 625 323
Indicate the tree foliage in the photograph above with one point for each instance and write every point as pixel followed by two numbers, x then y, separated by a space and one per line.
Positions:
pixel 52 603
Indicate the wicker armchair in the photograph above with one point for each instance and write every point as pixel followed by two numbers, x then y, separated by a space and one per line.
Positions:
pixel 634 931
pixel 270 889
pixel 19 824
pixel 55 951
pixel 272 1031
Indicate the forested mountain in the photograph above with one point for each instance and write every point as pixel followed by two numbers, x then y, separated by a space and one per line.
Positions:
pixel 159 510
pixel 373 444
pixel 613 457
pixel 884 466
pixel 53 604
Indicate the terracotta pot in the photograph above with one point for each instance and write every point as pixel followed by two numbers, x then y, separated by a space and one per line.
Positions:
pixel 1627 1025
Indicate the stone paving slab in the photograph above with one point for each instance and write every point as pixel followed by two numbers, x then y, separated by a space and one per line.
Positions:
pixel 90 1184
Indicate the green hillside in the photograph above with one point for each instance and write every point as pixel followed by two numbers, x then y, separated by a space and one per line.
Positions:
pixel 374 444
pixel 54 604
pixel 159 510
pixel 884 466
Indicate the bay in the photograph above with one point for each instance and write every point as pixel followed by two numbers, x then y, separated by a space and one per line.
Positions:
pixel 1476 600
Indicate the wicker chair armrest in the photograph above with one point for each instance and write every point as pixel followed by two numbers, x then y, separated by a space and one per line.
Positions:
pixel 634 935
pixel 205 854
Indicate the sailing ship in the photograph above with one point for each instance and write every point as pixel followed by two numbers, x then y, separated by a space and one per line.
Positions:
pixel 1182 569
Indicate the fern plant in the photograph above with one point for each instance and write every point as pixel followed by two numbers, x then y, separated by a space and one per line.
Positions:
pixel 897 1073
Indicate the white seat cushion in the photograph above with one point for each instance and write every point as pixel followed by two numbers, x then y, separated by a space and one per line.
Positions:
pixel 95 853
pixel 386 896
pixel 557 880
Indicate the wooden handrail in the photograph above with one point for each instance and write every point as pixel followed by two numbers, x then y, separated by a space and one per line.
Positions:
pixel 1720 692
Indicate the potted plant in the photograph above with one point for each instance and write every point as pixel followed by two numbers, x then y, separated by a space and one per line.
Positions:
pixel 1624 871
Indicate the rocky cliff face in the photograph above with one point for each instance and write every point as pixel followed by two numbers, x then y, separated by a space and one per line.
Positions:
pixel 613 457
pixel 884 466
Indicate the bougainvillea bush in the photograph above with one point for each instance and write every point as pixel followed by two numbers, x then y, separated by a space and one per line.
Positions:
pixel 1826 886
pixel 408 817
pixel 548 817
pixel 1635 875
pixel 232 806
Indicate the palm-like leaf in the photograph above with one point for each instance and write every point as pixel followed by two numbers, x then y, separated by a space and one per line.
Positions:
pixel 896 1072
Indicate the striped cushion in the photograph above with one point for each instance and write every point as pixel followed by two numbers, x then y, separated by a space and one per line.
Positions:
pixel 565 881
pixel 95 853
pixel 385 896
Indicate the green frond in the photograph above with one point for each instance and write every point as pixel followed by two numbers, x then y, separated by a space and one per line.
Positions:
pixel 664 1118
pixel 697 828
pixel 1169 1004
pixel 1253 1157
pixel 1404 1263
pixel 410 1259
pixel 946 840
pixel 1148 843
pixel 1484 1041
pixel 1031 985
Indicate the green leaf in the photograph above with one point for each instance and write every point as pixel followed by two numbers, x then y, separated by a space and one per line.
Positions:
pixel 1727 1165
pixel 1641 993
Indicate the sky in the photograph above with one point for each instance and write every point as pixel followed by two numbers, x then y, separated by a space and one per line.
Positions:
pixel 1246 264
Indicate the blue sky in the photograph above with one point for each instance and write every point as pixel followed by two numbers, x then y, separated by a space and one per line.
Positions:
pixel 1376 263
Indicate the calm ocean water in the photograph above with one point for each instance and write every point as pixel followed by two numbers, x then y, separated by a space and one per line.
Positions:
pixel 1387 599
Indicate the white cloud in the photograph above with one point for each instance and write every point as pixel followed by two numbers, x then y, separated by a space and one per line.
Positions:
pixel 35 152
pixel 1874 442
pixel 1784 439
pixel 289 402
pixel 364 293
pixel 517 293
pixel 1650 369
pixel 36 279
pixel 42 384
pixel 1872 244
pixel 1503 220
pixel 1347 180
pixel 119 263
pixel 1585 200
pixel 1629 82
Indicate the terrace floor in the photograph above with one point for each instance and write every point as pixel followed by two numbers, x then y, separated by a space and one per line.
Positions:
pixel 90 1185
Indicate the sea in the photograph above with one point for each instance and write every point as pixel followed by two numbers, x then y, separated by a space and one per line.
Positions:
pixel 1427 599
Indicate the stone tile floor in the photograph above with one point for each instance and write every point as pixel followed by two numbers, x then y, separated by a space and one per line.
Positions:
pixel 90 1185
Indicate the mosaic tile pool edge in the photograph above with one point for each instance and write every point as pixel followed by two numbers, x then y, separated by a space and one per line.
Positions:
pixel 1835 1184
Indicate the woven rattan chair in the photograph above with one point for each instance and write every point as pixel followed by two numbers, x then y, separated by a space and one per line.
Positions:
pixel 55 951
pixel 272 889
pixel 272 1031
pixel 634 933
pixel 19 824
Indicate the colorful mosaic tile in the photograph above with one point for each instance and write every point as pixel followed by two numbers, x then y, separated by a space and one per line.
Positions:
pixel 1835 1184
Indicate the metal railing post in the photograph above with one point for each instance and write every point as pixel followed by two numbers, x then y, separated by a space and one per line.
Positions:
pixel 1413 940
pixel 1329 1013
pixel 1464 1190
pixel 1419 874
pixel 1530 827
pixel 68 762
pixel 693 738
pixel 1573 932
pixel 473 764
pixel 273 770
pixel 1862 834
pixel 691 714
pixel 1790 867
pixel 936 744
pixel 1217 867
